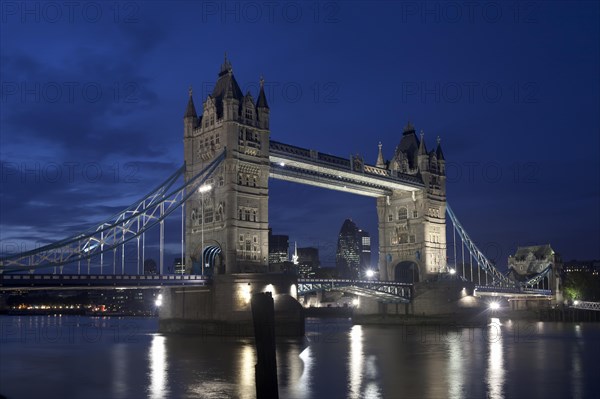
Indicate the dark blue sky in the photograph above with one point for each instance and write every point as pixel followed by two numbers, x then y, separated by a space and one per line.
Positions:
pixel 93 96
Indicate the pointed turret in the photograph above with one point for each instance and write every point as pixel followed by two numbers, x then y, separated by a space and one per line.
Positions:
pixel 422 146
pixel 191 109
pixel 262 107
pixel 190 118
pixel 262 98
pixel 438 152
pixel 380 162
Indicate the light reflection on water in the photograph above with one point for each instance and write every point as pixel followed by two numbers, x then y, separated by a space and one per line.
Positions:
pixel 99 358
pixel 495 372
pixel 158 368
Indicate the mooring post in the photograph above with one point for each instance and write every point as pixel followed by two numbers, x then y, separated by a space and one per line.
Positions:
pixel 265 372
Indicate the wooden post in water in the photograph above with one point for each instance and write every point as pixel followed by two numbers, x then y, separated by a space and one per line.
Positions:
pixel 265 372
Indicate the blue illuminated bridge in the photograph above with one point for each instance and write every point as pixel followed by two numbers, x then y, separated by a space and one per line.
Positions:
pixel 95 258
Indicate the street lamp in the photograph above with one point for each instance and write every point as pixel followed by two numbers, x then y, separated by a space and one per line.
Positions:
pixel 370 273
pixel 203 189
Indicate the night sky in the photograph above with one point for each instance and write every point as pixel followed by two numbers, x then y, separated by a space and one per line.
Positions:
pixel 93 96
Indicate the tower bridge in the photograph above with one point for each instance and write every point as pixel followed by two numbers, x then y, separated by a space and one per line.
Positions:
pixel 222 194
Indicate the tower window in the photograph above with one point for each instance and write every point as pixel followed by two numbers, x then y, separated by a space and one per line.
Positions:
pixel 248 113
pixel 415 214
pixel 247 215
pixel 390 217
pixel 402 213
pixel 254 218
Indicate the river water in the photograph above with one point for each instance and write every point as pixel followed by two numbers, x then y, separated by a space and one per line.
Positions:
pixel 88 357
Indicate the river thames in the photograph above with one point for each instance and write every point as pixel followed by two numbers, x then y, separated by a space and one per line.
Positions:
pixel 91 357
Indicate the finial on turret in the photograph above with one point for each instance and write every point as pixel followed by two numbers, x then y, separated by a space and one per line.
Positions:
pixel 422 134
pixel 262 82
pixel 438 139
pixel 380 162
pixel 190 91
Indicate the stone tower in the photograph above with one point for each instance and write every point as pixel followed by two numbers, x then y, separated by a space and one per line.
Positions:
pixel 412 225
pixel 234 218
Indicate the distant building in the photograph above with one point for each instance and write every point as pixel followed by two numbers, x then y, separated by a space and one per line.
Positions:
pixel 308 262
pixel 178 266
pixel 365 252
pixel 278 248
pixel 349 250
pixel 582 266
pixel 531 261
pixel 150 267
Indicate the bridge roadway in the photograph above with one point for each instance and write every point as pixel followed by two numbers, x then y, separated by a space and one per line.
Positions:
pixel 301 165
pixel 95 281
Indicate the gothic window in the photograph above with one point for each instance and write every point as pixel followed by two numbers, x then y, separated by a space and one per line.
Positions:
pixel 390 217
pixel 239 178
pixel 412 239
pixel 241 135
pixel 255 239
pixel 212 119
pixel 217 139
pixel 247 215
pixel 403 238
pixel 240 215
pixel 254 217
pixel 402 213
pixel 208 215
pixel 221 181
pixel 248 113
pixel 254 181
pixel 415 214
pixel 241 238
pixel 248 245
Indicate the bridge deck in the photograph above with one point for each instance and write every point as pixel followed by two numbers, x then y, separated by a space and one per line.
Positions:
pixel 311 167
pixel 74 281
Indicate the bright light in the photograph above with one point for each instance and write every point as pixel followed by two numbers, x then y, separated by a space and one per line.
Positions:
pixel 158 302
pixel 294 291
pixel 370 273
pixel 356 302
pixel 452 271
pixel 575 303
pixel 281 164
pixel 494 305
pixel 270 288
pixel 205 188
pixel 245 293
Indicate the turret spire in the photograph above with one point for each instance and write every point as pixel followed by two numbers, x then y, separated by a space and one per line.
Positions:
pixel 190 111
pixel 422 147
pixel 438 152
pixel 262 98
pixel 380 162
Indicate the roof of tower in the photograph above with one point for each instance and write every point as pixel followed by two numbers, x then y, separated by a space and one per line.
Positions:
pixel 409 145
pixel 262 98
pixel 409 128
pixel 226 87
pixel 190 111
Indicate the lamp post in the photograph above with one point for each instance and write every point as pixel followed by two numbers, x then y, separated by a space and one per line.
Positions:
pixel 203 189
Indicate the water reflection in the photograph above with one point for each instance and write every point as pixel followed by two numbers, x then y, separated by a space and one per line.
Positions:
pixel 362 369
pixel 355 361
pixel 158 367
pixel 247 360
pixel 455 367
pixel 495 371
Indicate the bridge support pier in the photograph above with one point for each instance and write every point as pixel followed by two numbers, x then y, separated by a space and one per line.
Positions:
pixel 223 308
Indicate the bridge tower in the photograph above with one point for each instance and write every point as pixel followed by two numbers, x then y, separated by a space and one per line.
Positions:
pixel 233 219
pixel 412 225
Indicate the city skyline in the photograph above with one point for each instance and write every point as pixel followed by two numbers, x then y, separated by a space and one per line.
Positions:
pixel 84 130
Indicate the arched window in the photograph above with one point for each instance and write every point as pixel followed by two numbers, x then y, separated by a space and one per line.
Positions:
pixel 240 213
pixel 254 215
pixel 402 213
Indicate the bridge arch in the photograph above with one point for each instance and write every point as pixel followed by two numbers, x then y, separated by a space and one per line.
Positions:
pixel 406 272
pixel 213 261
